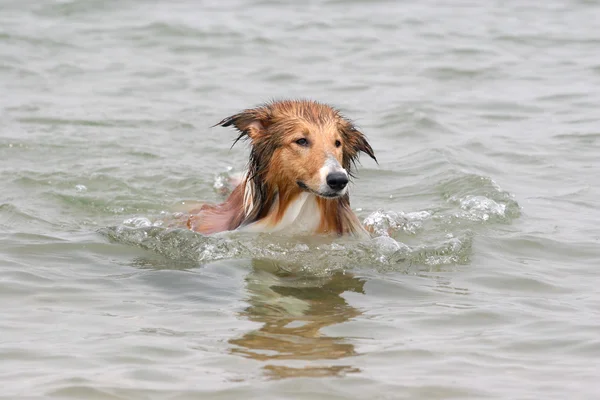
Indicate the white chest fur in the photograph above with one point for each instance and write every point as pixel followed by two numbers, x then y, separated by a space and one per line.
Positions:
pixel 301 216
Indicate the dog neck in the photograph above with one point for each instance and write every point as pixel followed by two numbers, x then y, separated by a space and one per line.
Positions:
pixel 289 209
pixel 286 209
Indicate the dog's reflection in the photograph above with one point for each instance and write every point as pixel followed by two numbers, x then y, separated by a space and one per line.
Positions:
pixel 293 308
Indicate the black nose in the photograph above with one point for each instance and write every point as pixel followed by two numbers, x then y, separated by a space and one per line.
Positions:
pixel 337 180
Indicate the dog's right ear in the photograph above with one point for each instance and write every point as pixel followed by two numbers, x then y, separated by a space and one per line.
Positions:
pixel 251 123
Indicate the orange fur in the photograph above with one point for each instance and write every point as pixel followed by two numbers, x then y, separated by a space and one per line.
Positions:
pixel 297 147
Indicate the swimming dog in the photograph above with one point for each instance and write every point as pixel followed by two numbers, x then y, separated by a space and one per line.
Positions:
pixel 303 154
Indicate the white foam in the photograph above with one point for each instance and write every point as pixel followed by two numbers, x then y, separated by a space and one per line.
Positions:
pixel 482 208
pixel 382 223
pixel 137 222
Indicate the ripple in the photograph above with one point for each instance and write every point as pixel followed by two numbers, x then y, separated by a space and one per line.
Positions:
pixel 41 42
pixel 383 222
pixel 442 236
pixel 453 73
pixel 11 217
pixel 480 199
pixel 480 208
pixel 484 249
pixel 315 254
pixel 158 29
pixel 454 250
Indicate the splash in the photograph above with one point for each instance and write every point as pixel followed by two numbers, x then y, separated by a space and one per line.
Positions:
pixel 383 222
pixel 480 199
pixel 433 238
pixel 318 255
pixel 480 208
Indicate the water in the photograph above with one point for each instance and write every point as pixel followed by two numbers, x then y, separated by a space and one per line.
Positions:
pixel 481 278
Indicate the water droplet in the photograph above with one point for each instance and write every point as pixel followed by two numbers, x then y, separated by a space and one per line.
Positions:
pixel 137 222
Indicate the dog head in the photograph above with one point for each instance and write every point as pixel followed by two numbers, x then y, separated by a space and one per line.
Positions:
pixel 300 143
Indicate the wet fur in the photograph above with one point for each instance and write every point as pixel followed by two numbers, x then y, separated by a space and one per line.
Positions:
pixel 277 171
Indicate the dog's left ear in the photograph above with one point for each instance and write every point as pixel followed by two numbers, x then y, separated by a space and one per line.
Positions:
pixel 365 147
pixel 251 123
pixel 358 142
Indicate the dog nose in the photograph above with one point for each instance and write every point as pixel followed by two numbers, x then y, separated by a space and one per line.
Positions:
pixel 337 180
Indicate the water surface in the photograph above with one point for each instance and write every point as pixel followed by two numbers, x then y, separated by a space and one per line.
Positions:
pixel 483 116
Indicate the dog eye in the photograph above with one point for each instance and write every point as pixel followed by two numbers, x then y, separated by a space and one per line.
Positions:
pixel 302 142
pixel 338 143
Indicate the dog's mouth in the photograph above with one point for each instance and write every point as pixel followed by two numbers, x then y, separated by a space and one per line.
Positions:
pixel 328 195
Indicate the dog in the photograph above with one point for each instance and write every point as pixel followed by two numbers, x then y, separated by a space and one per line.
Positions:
pixel 303 154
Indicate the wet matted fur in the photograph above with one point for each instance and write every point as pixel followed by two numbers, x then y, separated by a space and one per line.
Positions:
pixel 296 146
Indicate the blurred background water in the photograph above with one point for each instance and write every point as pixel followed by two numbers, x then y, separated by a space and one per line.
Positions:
pixel 483 116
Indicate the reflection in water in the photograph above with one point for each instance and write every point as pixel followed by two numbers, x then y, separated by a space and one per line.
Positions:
pixel 293 308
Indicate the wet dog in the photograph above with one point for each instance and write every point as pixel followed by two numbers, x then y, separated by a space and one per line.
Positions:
pixel 302 157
